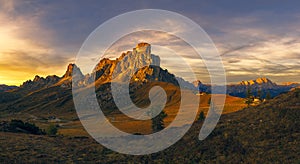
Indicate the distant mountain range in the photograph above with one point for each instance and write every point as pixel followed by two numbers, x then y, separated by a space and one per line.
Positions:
pixel 259 87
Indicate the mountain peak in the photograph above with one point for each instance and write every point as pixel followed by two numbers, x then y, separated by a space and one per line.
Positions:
pixel 37 78
pixel 70 69
pixel 143 48
pixel 263 80
pixel 142 44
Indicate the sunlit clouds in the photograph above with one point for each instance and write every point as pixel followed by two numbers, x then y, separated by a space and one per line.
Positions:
pixel 25 46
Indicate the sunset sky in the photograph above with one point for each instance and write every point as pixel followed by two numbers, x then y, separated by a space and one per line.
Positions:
pixel 254 38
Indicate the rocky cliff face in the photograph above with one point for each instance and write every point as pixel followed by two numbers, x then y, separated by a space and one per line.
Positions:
pixel 124 67
pixel 154 73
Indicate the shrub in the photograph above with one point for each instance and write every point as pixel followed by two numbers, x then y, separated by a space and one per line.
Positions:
pixel 52 129
pixel 20 126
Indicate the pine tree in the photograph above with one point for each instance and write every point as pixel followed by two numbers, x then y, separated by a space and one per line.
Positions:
pixel 268 96
pixel 259 94
pixel 158 122
pixel 249 92
pixel 249 97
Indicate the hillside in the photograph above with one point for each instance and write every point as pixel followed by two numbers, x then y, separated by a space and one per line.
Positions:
pixel 266 133
pixel 42 105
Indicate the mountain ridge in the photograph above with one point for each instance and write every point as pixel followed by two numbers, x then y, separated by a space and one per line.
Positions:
pixel 131 63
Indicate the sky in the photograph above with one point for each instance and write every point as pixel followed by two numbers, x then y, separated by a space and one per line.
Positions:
pixel 254 38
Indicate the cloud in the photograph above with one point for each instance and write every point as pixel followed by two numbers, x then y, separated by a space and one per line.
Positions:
pixel 26 46
pixel 275 58
pixel 259 44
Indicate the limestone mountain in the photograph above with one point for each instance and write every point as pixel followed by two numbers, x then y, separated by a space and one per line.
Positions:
pixel 123 68
pixel 138 65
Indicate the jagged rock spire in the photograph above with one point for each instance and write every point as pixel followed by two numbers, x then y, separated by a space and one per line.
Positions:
pixel 71 67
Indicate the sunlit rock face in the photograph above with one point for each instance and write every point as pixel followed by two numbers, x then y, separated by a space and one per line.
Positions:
pixel 132 61
pixel 124 67
pixel 143 48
